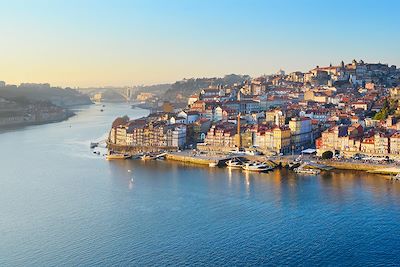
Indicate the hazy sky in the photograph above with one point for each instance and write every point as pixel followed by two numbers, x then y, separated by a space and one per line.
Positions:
pixel 115 42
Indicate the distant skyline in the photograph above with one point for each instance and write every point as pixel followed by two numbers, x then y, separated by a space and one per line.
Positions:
pixel 101 43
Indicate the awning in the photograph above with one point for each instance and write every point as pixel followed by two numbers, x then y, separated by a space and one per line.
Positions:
pixel 309 151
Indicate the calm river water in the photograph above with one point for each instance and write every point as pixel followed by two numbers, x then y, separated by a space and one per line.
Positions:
pixel 62 205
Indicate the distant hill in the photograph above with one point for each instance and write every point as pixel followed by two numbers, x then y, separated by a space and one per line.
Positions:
pixel 44 92
pixel 119 94
pixel 157 89
pixel 187 87
pixel 183 88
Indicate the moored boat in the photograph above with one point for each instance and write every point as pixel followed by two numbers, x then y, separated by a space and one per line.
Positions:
pixel 307 171
pixel 395 178
pixel 93 145
pixel 256 167
pixel 212 164
pixel 252 152
pixel 146 157
pixel 234 164
pixel 112 155
pixel 238 152
pixel 293 164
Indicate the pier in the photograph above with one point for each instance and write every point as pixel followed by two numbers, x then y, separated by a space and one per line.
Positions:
pixel 189 157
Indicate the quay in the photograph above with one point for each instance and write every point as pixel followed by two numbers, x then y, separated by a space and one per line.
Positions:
pixel 387 169
pixel 205 159
pixel 190 157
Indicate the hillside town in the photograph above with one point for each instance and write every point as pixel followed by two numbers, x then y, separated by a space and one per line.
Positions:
pixel 349 109
pixel 19 112
pixel 34 103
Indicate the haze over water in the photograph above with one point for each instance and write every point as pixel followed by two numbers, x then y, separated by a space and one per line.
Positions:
pixel 63 205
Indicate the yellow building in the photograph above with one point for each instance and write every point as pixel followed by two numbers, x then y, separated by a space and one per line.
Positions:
pixel 97 97
pixel 282 138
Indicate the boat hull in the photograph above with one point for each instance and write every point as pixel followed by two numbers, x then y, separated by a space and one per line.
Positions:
pixel 234 166
pixel 310 172
pixel 117 156
pixel 259 170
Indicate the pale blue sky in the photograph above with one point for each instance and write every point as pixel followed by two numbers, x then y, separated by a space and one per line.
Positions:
pixel 94 43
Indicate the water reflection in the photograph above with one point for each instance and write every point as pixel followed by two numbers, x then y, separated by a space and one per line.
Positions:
pixel 130 185
pixel 334 185
pixel 247 182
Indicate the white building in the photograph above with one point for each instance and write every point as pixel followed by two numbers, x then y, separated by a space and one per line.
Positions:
pixel 218 113
pixel 179 136
pixel 301 131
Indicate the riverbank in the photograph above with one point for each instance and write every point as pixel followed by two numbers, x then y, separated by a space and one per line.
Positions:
pixel 205 159
pixel 387 169
pixel 188 157
pixel 4 127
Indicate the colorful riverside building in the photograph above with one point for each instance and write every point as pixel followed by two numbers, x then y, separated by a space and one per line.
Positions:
pixel 220 137
pixel 341 138
pixel 301 132
pixel 348 140
pixel 276 139
pixel 146 134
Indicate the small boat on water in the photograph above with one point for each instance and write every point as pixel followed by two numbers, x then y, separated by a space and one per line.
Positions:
pixel 234 164
pixel 145 157
pixel 307 171
pixel 238 152
pixel 137 156
pixel 93 145
pixel 296 163
pixel 293 164
pixel 153 156
pixel 212 164
pixel 252 152
pixel 112 155
pixel 395 178
pixel 256 167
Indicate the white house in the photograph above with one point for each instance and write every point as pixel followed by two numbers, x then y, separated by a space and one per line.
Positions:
pixel 218 113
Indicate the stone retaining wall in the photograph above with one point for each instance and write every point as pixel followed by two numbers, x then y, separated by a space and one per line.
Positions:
pixel 189 159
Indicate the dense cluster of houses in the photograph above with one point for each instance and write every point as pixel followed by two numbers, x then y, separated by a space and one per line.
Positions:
pixel 381 140
pixel 330 108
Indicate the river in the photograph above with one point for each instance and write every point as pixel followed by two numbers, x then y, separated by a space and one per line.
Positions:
pixel 60 204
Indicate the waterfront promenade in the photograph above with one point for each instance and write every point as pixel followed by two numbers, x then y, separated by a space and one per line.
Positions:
pixel 188 156
pixel 205 158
